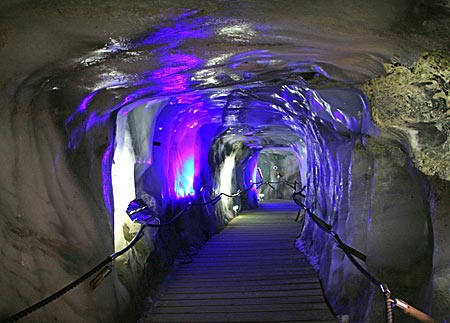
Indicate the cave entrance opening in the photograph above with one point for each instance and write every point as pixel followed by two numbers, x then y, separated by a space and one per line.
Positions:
pixel 280 167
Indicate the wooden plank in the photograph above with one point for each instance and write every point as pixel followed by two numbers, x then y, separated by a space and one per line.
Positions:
pixel 252 238
pixel 265 249
pixel 244 262
pixel 246 294
pixel 259 278
pixel 245 258
pixel 244 273
pixel 227 256
pixel 175 289
pixel 245 269
pixel 242 308
pixel 220 283
pixel 241 301
pixel 270 316
pixel 241 269
pixel 218 277
pixel 230 256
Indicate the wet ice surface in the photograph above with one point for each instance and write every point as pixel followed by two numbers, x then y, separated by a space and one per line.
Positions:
pixel 167 64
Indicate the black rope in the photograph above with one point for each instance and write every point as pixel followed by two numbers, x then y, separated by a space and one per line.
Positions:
pixel 388 302
pixel 344 247
pixel 388 307
pixel 295 194
pixel 58 294
pixel 213 201
pixel 108 261
pixel 75 283
pixel 136 238
pixel 291 185
pixel 350 253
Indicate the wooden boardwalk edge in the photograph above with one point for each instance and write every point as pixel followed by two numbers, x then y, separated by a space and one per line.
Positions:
pixel 250 272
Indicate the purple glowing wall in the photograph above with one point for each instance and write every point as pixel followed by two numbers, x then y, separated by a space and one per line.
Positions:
pixel 185 129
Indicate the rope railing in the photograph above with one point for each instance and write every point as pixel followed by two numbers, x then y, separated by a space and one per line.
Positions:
pixel 351 253
pixel 291 185
pixel 104 268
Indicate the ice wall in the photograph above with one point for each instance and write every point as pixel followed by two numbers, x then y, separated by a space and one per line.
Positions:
pixel 379 204
pixel 52 217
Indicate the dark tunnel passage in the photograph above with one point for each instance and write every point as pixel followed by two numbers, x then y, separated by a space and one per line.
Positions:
pixel 202 144
pixel 191 142
pixel 204 103
pixel 191 145
pixel 280 167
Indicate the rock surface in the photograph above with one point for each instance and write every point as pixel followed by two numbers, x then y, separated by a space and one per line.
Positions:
pixel 415 101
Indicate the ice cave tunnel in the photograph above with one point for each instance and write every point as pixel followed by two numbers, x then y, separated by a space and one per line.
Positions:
pixel 176 102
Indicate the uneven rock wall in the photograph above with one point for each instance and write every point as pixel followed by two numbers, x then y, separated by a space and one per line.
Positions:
pixel 399 241
pixel 414 102
pixel 53 227
pixel 377 202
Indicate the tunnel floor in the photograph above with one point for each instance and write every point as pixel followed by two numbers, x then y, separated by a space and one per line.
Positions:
pixel 250 272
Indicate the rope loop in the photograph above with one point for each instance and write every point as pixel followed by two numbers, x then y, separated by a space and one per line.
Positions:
pixel 105 266
pixel 351 254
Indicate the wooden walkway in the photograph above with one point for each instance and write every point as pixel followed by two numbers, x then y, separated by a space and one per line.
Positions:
pixel 250 272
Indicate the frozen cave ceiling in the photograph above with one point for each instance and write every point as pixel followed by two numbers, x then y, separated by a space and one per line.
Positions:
pixel 117 52
pixel 124 51
pixel 246 71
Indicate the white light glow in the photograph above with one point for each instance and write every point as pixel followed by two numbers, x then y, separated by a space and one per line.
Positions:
pixel 221 59
pixel 226 174
pixel 240 32
pixel 122 176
